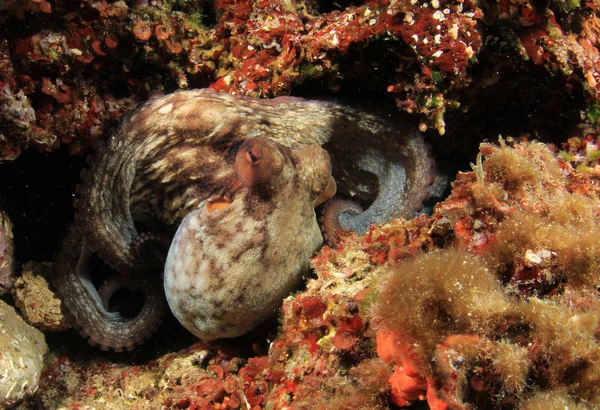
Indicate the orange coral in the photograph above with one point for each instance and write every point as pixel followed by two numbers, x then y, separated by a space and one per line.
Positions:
pixel 406 389
pixel 141 30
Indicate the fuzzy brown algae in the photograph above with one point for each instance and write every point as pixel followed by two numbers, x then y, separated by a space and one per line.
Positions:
pixel 178 150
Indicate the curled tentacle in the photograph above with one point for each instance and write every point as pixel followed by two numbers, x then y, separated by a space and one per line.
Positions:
pixel 403 180
pixel 392 199
pixel 108 329
pixel 332 229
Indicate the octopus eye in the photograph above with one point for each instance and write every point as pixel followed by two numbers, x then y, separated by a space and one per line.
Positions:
pixel 257 162
pixel 254 155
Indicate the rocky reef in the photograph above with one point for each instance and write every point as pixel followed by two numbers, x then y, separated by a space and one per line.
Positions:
pixel 487 299
pixel 491 301
pixel 7 268
pixel 21 363
pixel 36 301
pixel 70 69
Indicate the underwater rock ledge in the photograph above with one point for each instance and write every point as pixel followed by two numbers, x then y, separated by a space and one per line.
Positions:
pixel 69 70
pixel 490 301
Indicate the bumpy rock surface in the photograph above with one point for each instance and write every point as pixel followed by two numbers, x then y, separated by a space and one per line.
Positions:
pixel 6 254
pixel 37 302
pixel 22 350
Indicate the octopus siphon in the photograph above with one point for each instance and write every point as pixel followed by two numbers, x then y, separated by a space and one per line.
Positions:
pixel 226 186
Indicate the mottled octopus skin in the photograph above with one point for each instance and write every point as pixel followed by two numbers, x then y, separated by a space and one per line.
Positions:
pixel 177 150
pixel 230 269
pixel 89 307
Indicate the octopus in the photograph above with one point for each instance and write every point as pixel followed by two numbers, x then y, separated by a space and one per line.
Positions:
pixel 205 202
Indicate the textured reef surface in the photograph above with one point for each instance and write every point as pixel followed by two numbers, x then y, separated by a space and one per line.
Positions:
pixel 487 299
pixel 490 302
pixel 70 69
pixel 7 269
pixel 23 348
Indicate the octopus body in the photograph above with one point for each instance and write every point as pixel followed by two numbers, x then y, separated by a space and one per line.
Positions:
pixel 179 150
pixel 229 267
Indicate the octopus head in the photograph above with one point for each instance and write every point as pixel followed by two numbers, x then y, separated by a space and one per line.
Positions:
pixel 260 162
pixel 315 171
pixel 265 168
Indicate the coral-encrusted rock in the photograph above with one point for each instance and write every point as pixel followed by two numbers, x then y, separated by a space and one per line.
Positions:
pixel 6 254
pixel 22 350
pixel 512 293
pixel 38 304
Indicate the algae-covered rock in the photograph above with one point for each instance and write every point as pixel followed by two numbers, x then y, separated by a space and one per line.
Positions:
pixel 22 349
pixel 6 254
pixel 38 304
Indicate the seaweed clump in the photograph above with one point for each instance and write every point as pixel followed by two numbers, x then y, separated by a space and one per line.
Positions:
pixel 506 314
pixel 443 293
pixel 443 308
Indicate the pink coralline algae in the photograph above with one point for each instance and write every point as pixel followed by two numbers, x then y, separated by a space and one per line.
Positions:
pixel 77 76
pixel 103 58
pixel 546 38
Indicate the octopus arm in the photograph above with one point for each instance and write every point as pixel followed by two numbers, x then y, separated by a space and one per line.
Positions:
pixel 391 151
pixel 89 309
pixel 102 206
